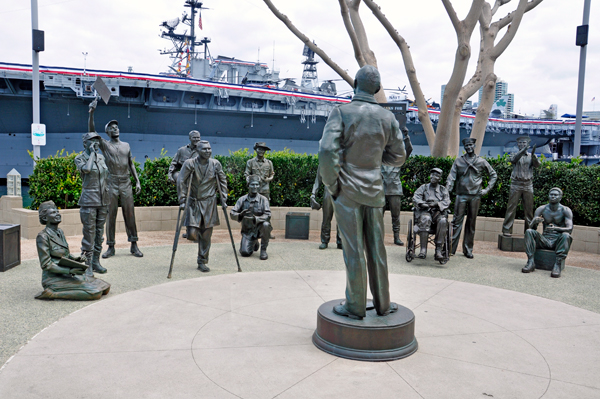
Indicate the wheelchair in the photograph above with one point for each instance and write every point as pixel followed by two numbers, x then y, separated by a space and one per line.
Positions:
pixel 412 246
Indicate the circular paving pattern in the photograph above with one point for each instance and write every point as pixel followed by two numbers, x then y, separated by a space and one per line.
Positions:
pixel 248 335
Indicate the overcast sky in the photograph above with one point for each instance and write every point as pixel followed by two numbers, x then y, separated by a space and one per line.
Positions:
pixel 541 64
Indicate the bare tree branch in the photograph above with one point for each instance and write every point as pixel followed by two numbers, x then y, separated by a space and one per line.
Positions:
pixel 511 31
pixel 452 14
pixel 410 71
pixel 498 4
pixel 509 18
pixel 358 54
pixel 309 43
pixel 471 19
pixel 363 41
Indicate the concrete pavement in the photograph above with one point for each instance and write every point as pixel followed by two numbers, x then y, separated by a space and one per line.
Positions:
pixel 483 327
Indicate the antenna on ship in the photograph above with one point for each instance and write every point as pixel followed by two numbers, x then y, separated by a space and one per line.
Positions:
pixel 184 45
pixel 309 74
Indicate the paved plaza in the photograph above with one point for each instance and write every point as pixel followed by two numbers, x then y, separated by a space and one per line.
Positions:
pixel 484 330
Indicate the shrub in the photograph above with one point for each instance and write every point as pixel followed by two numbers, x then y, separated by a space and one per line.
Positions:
pixel 56 178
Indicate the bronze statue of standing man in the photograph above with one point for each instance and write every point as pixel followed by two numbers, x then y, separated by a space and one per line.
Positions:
pixel 357 139
pixel 327 214
pixel 261 167
pixel 521 185
pixel 392 185
pixel 183 154
pixel 93 201
pixel 206 177
pixel 120 167
pixel 467 171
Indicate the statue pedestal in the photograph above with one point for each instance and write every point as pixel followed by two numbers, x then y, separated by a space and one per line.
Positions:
pixel 374 338
pixel 545 259
pixel 515 243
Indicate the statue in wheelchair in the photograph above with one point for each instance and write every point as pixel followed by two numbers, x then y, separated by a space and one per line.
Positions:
pixel 431 202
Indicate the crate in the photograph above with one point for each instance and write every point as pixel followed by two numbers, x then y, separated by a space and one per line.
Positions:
pixel 10 246
pixel 297 225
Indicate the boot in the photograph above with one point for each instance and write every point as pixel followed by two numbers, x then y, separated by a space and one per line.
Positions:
pixel 96 266
pixel 556 269
pixel 397 239
pixel 89 262
pixel 109 252
pixel 530 266
pixel 438 252
pixel 323 245
pixel 263 252
pixel 423 253
pixel 135 251
pixel 202 267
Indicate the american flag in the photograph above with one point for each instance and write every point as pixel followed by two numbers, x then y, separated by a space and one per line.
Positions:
pixel 200 21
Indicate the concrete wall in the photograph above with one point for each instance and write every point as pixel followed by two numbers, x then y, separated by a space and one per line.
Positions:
pixel 164 218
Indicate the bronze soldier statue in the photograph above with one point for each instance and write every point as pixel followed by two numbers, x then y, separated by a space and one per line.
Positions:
pixel 63 274
pixel 467 170
pixel 261 167
pixel 206 177
pixel 93 201
pixel 431 208
pixel 557 220
pixel 327 214
pixel 253 212
pixel 392 185
pixel 183 154
pixel 521 185
pixel 357 139
pixel 120 167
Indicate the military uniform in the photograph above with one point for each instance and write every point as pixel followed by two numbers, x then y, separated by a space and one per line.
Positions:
pixel 256 225
pixel 521 187
pixel 57 281
pixel 93 204
pixel 327 213
pixel 469 178
pixel 183 154
pixel 264 169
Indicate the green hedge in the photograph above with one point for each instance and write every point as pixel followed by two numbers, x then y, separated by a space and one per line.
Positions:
pixel 56 178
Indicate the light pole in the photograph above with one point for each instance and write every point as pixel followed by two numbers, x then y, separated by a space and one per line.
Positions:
pixel 582 41
pixel 35 68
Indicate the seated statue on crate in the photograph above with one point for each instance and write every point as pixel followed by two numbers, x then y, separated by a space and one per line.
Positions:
pixel 557 220
pixel 431 203
pixel 63 275
pixel 253 212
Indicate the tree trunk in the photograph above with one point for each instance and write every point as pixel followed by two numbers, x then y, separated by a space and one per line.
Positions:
pixel 464 30
pixel 411 72
pixel 443 131
pixel 483 110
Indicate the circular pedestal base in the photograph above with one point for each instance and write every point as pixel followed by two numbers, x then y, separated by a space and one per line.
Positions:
pixel 374 338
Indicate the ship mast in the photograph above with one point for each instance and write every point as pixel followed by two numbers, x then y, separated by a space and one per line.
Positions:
pixel 184 45
pixel 309 74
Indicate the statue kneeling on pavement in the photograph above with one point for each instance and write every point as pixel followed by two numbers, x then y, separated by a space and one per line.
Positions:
pixel 431 209
pixel 253 212
pixel 557 220
pixel 63 275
